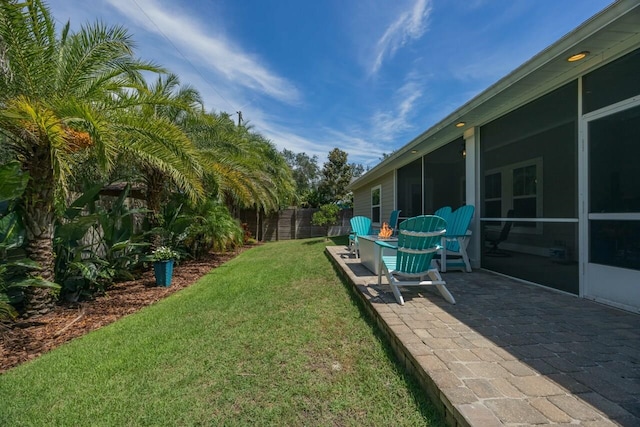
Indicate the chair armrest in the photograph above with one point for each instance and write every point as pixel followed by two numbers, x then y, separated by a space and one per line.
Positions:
pixel 459 237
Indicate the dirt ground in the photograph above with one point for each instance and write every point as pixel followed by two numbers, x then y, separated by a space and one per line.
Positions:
pixel 28 338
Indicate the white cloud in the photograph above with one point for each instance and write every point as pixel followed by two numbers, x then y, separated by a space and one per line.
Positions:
pixel 360 146
pixel 389 123
pixel 216 51
pixel 361 149
pixel 410 25
pixel 366 142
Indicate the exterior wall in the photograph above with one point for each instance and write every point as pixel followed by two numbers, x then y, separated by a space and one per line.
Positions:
pixel 362 201
pixel 388 197
pixel 362 198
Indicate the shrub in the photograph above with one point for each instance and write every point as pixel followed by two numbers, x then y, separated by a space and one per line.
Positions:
pixel 96 245
pixel 14 278
pixel 326 217
pixel 212 228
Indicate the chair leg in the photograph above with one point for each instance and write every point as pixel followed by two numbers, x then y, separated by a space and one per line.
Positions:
pixel 382 270
pixel 392 282
pixel 463 251
pixel 443 255
pixel 446 294
pixel 465 258
pixel 353 249
pixel 435 276
pixel 396 291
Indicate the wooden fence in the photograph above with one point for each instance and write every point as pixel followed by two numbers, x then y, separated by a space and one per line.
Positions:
pixel 292 223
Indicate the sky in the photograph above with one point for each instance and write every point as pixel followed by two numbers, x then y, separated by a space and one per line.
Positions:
pixel 365 76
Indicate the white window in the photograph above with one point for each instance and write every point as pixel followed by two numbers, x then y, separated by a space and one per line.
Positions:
pixel 376 197
pixel 519 187
pixel 493 196
pixel 525 195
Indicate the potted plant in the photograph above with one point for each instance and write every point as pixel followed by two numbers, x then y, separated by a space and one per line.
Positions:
pixel 163 259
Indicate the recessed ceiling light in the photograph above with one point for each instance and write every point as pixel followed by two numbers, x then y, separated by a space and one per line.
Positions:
pixel 414 151
pixel 460 124
pixel 578 56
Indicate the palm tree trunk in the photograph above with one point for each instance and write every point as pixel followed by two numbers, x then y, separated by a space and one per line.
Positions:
pixel 155 185
pixel 38 217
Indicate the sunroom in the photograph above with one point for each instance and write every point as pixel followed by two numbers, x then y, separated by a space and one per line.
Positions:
pixel 547 156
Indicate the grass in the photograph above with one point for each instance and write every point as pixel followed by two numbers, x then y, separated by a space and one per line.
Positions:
pixel 272 337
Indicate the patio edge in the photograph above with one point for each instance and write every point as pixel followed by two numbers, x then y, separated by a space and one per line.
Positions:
pixel 452 416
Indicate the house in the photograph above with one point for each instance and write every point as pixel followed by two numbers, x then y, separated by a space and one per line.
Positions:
pixel 553 148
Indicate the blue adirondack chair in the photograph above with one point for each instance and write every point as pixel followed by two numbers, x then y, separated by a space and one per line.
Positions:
pixel 393 222
pixel 360 226
pixel 418 241
pixel 455 241
pixel 444 213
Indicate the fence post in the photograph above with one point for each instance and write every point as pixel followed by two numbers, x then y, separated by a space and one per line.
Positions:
pixel 257 224
pixel 262 228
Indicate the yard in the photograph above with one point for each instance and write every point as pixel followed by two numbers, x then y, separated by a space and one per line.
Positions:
pixel 272 337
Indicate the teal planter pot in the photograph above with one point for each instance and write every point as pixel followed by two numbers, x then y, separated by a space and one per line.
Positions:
pixel 163 271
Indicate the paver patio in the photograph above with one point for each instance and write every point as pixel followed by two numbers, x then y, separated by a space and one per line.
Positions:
pixel 509 353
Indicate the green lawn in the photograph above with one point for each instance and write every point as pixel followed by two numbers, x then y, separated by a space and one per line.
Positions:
pixel 273 337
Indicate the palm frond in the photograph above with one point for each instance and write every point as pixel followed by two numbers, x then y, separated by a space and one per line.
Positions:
pixel 27 36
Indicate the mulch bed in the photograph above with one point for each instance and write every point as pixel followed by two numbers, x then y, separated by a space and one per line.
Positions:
pixel 26 339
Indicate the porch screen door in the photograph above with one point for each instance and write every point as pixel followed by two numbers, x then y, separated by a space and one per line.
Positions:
pixel 613 198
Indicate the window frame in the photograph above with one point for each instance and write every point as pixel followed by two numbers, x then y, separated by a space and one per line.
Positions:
pixel 495 225
pixel 379 205
pixel 507 197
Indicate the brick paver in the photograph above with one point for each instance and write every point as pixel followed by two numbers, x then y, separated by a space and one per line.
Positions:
pixel 510 353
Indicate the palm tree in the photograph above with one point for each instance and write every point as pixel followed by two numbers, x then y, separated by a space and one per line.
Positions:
pixel 155 142
pixel 59 94
pixel 242 167
pixel 178 103
pixel 280 183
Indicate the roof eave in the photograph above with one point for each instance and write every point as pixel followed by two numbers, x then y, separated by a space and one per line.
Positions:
pixel 561 49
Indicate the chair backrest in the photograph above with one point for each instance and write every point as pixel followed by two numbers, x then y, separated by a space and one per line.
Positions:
pixel 393 220
pixel 418 241
pixel 444 213
pixel 458 224
pixel 361 225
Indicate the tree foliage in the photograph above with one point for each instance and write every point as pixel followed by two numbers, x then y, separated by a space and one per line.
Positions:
pixel 241 167
pixel 60 94
pixel 76 106
pixel 336 175
pixel 306 173
pixel 357 170
pixel 326 217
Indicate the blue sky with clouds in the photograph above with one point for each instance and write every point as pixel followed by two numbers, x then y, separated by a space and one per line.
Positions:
pixel 366 76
